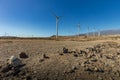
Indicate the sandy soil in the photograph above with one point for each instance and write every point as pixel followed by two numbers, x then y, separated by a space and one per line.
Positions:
pixel 87 60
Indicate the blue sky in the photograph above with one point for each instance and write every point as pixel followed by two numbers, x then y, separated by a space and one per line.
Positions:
pixel 34 17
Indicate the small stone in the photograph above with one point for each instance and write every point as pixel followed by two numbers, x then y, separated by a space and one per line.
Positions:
pixel 23 55
pixel 65 50
pixel 73 51
pixel 6 68
pixel 45 56
pixel 100 78
pixel 83 52
pixel 28 77
pixel 16 72
pixel 111 78
pixel 61 54
pixel 74 68
pixel 75 55
pixel 72 71
pixel 0 66
pixel 118 53
pixel 87 62
pixel 82 64
pixel 34 71
pixel 100 70
pixel 41 60
pixel 117 73
pixel 89 69
pixel 94 60
pixel 95 69
pixel 109 57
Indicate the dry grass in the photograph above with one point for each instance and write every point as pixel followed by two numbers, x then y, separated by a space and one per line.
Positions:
pixel 59 67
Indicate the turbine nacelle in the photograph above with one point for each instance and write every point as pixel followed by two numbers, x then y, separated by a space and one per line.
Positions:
pixel 57 19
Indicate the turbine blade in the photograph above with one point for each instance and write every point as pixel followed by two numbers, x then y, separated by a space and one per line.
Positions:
pixel 60 16
pixel 54 14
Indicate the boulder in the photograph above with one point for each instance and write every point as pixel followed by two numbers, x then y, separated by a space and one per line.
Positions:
pixel 14 61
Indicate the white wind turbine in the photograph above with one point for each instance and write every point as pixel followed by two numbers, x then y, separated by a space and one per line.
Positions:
pixel 88 31
pixel 57 21
pixel 78 29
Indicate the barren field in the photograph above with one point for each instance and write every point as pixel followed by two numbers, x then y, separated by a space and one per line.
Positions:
pixel 62 60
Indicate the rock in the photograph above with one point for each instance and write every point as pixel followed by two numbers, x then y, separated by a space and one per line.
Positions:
pixel 9 73
pixel 98 70
pixel 91 55
pixel 94 60
pixel 89 69
pixel 109 57
pixel 100 78
pixel 90 49
pixel 95 69
pixel 41 60
pixel 83 52
pixel 73 51
pixel 87 62
pixel 72 71
pixel 61 54
pixel 118 53
pixel 28 77
pixel 14 61
pixel 16 71
pixel 65 50
pixel 45 56
pixel 117 73
pixel 23 55
pixel 6 68
pixel 0 66
pixel 75 55
pixel 82 64
pixel 12 68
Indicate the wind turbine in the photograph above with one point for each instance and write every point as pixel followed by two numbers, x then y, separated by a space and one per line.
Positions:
pixel 88 31
pixel 6 34
pixel 78 29
pixel 98 33
pixel 94 31
pixel 57 21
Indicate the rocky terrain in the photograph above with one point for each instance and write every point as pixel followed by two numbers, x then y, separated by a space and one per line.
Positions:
pixel 60 60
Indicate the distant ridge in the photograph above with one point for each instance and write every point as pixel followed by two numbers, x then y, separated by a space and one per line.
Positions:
pixel 106 32
pixel 9 37
pixel 110 32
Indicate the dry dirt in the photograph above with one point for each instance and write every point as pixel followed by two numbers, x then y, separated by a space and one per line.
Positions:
pixel 88 60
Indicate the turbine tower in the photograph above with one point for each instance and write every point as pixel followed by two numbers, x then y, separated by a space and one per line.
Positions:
pixel 88 31
pixel 57 21
pixel 98 33
pixel 5 34
pixel 94 31
pixel 78 29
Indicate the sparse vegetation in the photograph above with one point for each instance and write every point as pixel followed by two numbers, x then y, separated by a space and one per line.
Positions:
pixel 82 59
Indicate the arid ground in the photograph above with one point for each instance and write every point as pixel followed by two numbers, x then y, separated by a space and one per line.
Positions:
pixel 62 60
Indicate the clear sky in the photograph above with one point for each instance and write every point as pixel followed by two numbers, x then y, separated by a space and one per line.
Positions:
pixel 34 17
